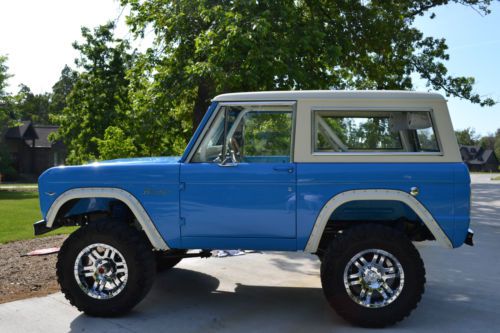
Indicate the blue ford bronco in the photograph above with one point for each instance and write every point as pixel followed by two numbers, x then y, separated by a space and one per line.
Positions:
pixel 355 178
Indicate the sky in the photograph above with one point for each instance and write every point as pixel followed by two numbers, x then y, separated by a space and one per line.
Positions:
pixel 37 36
pixel 474 48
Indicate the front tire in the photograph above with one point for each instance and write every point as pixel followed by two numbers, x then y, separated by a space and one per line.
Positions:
pixel 372 276
pixel 105 268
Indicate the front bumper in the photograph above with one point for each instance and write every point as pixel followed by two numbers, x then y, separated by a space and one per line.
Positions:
pixel 41 228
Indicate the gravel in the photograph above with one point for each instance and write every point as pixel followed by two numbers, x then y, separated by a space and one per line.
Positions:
pixel 24 277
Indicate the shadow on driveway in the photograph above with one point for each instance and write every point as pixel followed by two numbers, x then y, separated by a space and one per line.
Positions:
pixel 188 301
pixel 456 300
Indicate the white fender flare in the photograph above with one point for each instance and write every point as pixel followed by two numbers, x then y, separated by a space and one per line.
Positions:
pixel 110 192
pixel 379 195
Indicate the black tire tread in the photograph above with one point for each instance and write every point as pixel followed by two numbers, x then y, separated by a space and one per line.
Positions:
pixel 143 260
pixel 332 264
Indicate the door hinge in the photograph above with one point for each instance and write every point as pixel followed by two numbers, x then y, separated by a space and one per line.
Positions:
pixel 182 186
pixel 182 221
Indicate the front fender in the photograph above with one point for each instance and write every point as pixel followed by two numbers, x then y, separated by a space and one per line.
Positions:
pixel 112 193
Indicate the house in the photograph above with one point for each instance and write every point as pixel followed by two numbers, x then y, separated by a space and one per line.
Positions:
pixel 479 159
pixel 30 149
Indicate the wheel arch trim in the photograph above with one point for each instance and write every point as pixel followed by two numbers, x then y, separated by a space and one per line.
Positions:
pixel 379 195
pixel 116 193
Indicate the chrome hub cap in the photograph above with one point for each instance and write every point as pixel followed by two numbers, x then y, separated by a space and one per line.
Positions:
pixel 101 271
pixel 373 278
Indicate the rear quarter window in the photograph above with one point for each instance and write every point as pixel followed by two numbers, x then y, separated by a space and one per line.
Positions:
pixel 373 131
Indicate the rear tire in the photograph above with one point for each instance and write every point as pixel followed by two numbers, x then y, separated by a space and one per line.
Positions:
pixel 372 276
pixel 105 268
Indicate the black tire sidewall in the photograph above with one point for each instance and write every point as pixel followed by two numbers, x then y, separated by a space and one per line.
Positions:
pixel 133 254
pixel 335 262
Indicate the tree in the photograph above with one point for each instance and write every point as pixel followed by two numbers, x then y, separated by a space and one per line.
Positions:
pixel 29 106
pixel 61 90
pixel 6 168
pixel 115 144
pixel 4 76
pixel 496 146
pixel 6 119
pixel 487 142
pixel 206 47
pixel 160 119
pixel 7 114
pixel 25 105
pixel 467 137
pixel 99 93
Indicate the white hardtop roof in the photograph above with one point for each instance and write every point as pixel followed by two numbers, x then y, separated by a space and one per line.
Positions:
pixel 326 95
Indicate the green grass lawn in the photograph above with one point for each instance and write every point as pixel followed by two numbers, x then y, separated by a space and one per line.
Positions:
pixel 18 212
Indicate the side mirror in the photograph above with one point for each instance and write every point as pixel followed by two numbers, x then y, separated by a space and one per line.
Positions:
pixel 228 162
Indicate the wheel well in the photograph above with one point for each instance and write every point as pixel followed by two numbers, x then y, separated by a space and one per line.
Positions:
pixel 81 211
pixel 90 202
pixel 390 213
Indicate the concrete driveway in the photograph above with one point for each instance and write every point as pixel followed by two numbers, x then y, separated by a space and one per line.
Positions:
pixel 278 292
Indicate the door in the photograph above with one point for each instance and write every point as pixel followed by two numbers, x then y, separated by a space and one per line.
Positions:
pixel 238 188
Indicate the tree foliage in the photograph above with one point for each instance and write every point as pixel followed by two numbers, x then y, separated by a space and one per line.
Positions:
pixel 206 47
pixel 497 144
pixel 491 141
pixel 99 94
pixel 7 116
pixel 467 137
pixel 487 142
pixel 4 76
pixel 61 89
pixel 30 106
pixel 6 168
pixel 115 144
pixel 26 105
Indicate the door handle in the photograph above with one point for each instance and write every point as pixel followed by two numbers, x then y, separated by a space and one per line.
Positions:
pixel 288 169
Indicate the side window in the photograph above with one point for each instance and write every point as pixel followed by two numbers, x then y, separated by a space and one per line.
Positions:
pixel 373 131
pixel 248 134
pixel 427 140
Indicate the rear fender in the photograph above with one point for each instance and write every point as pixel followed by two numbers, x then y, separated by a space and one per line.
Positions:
pixel 375 194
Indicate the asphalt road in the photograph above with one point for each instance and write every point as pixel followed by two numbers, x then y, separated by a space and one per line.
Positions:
pixel 277 292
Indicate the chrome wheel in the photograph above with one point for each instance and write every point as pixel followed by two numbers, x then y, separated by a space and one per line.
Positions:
pixel 373 278
pixel 101 271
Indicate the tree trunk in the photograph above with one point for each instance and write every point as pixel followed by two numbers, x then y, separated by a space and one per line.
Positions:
pixel 205 90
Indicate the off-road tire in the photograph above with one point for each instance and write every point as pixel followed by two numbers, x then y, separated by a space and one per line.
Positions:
pixel 164 262
pixel 353 241
pixel 137 252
